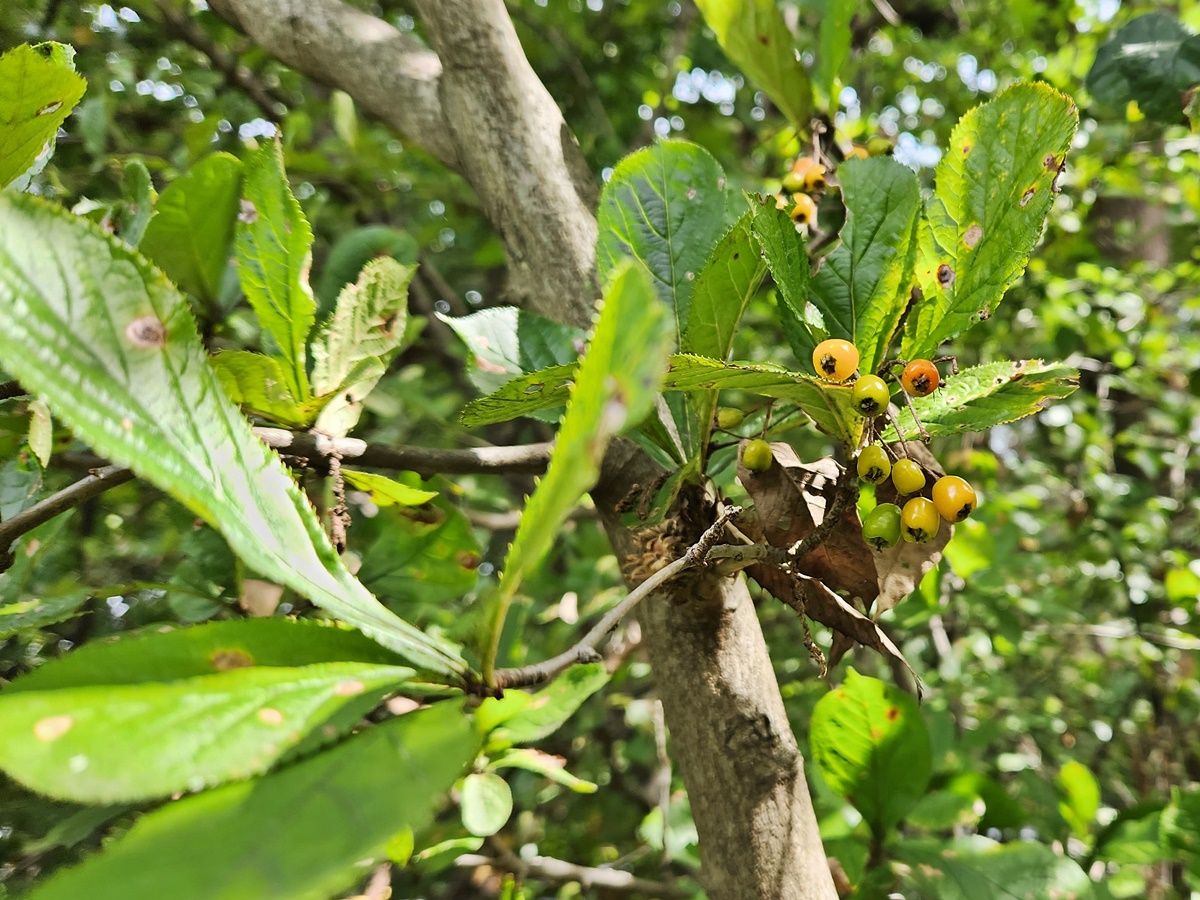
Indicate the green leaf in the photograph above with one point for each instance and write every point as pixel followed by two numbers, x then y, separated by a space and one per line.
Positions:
pixel 152 403
pixel 1080 797
pixel 421 562
pixel 977 398
pixel 342 808
pixel 1134 837
pixel 385 491
pixel 155 655
pixel 665 207
pixel 1152 60
pixel 994 187
pixel 20 481
pixel 487 803
pixel 506 342
pixel 754 35
pixel 368 325
pixel 355 249
pixel 37 93
pixel 1180 828
pixel 261 386
pixel 863 285
pixel 872 747
pixel 833 49
pixel 550 707
pixel 274 252
pixel 615 387
pixel 38 612
pixel 41 432
pixel 787 258
pixel 543 764
pixel 975 868
pixel 730 278
pixel 110 743
pixel 191 235
pixel 522 396
pixel 139 206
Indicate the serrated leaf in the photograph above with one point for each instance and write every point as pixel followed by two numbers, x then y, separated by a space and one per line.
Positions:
pixel 261 386
pixel 1153 60
pixel 386 491
pixel 38 90
pixel 191 235
pixel 342 808
pixel 615 387
pixel 786 254
pixel 550 707
pixel 994 187
pixel 833 48
pixel 730 278
pixel 487 803
pixel 368 324
pixel 274 253
pixel 109 743
pixel 153 404
pixel 506 342
pixel 872 747
pixel 522 396
pixel 753 34
pixel 552 767
pixel 665 207
pixel 863 284
pixel 977 398
pixel 975 868
pixel 357 247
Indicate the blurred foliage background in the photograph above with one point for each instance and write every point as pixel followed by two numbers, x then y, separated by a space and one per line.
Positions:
pixel 1057 640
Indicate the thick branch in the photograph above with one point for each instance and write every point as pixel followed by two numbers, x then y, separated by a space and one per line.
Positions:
pixel 387 72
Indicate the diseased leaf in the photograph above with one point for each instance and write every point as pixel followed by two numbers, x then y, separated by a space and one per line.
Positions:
pixel 754 35
pixel 357 247
pixel 260 386
pixel 386 491
pixel 975 868
pixel 38 90
pixel 342 807
pixel 872 747
pixel 862 287
pixel 41 432
pixel 977 398
pixel 994 187
pixel 506 342
pixel 786 254
pixel 110 743
pixel 274 253
pixel 152 403
pixel 730 278
pixel 191 235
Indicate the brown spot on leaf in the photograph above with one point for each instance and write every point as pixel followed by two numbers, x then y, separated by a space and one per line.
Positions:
pixel 146 332
pixel 945 275
pixel 53 106
pixel 916 295
pixel 224 660
pixel 1050 162
pixel 349 687
pixel 893 713
pixel 247 212
pixel 270 716
pixel 468 560
pixel 52 727
pixel 974 233
pixel 764 39
pixel 1026 197
pixel 966 150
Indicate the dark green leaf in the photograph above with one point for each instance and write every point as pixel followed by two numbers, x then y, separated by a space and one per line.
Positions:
pixel 152 403
pixel 1180 828
pixel 355 249
pixel 191 235
pixel 834 47
pixel 139 202
pixel 421 562
pixel 487 803
pixel 1152 60
pixel 341 809
pixel 20 481
pixel 506 342
pixel 871 745
pixel 37 93
pixel 994 187
pixel 975 868
pixel 724 288
pixel 38 612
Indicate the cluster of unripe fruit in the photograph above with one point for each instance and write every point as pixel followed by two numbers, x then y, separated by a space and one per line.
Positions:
pixel 953 498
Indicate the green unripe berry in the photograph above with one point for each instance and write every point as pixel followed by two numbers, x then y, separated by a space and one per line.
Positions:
pixel 881 528
pixel 729 417
pixel 907 477
pixel 757 455
pixel 870 395
pixel 919 521
pixel 873 464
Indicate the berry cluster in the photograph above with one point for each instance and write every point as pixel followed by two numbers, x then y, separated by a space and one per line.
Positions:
pixel 951 498
pixel 803 180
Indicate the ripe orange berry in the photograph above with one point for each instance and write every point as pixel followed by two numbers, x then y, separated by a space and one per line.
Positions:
pixel 835 360
pixel 920 378
pixel 954 498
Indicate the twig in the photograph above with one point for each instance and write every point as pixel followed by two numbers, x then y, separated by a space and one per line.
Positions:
pixel 557 870
pixel 93 485
pixel 339 516
pixel 10 389
pixel 584 650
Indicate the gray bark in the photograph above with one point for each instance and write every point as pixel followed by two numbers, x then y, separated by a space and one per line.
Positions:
pixel 484 112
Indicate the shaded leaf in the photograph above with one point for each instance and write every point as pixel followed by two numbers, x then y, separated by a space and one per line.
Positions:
pixel 410 561
pixel 1152 60
pixel 506 342
pixel 357 247
pixel 139 204
pixel 38 612
pixel 975 868
pixel 994 187
pixel 38 90
pixel 261 386
pixel 730 278
pixel 152 403
pixel 487 802
pixel 191 235
pixel 833 47
pixel 522 396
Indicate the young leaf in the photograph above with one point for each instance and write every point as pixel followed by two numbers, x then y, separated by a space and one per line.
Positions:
pixel 863 285
pixel 664 206
pixel 753 34
pixel 368 324
pixel 260 385
pixel 342 808
pixel 994 187
pixel 872 747
pixel 615 387
pixel 550 707
pixel 386 491
pixel 1151 59
pixel 107 743
pixel 552 767
pixel 487 802
pixel 522 396
pixel 724 288
pixel 977 398
pixel 38 90
pixel 191 234
pixel 506 342
pixel 833 49
pixel 152 403
pixel 354 249
pixel 975 868
pixel 274 253
pixel 787 257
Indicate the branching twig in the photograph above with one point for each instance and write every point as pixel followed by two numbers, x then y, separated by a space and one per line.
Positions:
pixel 93 485
pixel 584 650
pixel 560 871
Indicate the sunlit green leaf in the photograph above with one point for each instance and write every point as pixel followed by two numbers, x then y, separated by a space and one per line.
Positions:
pixel 386 491
pixel 487 803
pixel 38 90
pixel 543 764
pixel 506 342
pixel 260 385
pixel 1080 796
pixel 786 253
pixel 550 707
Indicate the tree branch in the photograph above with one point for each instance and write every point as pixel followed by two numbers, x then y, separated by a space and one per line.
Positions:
pixel 560 871
pixel 584 650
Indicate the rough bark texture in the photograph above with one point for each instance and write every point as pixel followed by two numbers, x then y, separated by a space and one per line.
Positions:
pixel 485 113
